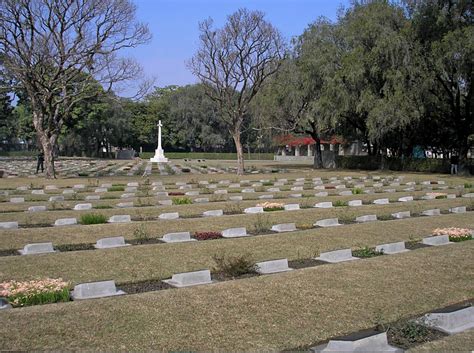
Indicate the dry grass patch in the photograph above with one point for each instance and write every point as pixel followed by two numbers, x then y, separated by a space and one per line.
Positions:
pixel 284 311
pixel 460 342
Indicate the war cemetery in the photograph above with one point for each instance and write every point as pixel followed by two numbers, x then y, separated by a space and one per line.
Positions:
pixel 306 193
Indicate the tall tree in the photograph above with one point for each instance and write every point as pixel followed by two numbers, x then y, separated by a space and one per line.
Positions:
pixel 55 48
pixel 234 62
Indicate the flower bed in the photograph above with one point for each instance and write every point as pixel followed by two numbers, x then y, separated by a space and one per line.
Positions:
pixel 271 206
pixel 207 235
pixel 455 234
pixel 437 195
pixel 35 292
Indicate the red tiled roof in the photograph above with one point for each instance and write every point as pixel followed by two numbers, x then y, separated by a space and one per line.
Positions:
pixel 290 140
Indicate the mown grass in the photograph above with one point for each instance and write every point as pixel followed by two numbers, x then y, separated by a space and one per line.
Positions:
pixel 162 260
pixel 271 313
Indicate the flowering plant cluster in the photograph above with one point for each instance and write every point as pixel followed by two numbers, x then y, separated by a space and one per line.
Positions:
pixel 207 235
pixel 271 206
pixel 437 195
pixel 455 234
pixel 35 291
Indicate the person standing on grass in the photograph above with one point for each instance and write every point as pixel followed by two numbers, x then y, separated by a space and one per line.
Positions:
pixel 454 164
pixel 40 162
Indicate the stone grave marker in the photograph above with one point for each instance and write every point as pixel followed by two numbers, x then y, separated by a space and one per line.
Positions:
pixel 51 187
pixel 178 237
pixel 362 342
pixel 100 190
pixel 130 189
pixel 321 194
pixel 65 222
pixel 56 198
pixel 329 222
pixel 273 266
pixel 461 209
pixel 37 208
pixel 170 215
pixel 273 189
pixel 110 242
pixel 37 192
pixel 94 290
pixel 213 213
pixel 220 192
pixel 451 320
pixel 381 202
pixel 345 193
pixel 405 199
pixel 133 184
pixel 192 193
pixel 257 209
pixel 355 203
pixel 392 248
pixel 265 197
pixel 284 227
pixel 366 218
pixel 236 198
pixel 292 207
pixel 401 215
pixel 165 202
pixel 451 196
pixel 337 256
pixel 234 232
pixel 69 192
pixel 82 206
pixel 125 218
pixel 323 205
pixel 92 197
pixel 468 195
pixel 127 196
pixel 201 200
pixel 436 240
pixel 295 196
pixel 188 279
pixel 162 193
pixel 124 205
pixel 37 248
pixel 17 200
pixel 79 186
pixel 433 212
pixel 107 185
pixel 4 304
pixel 245 191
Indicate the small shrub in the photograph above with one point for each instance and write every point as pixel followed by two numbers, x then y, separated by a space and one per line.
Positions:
pixel 35 292
pixel 207 235
pixel 175 193
pixel 82 174
pixel 357 191
pixel 233 266
pixel 99 207
pixel 116 188
pixel 182 201
pixel 140 234
pixel 366 252
pixel 186 170
pixel 339 203
pixel 233 208
pixel 261 225
pixel 93 218
pixel 305 226
pixel 267 183
pixel 468 186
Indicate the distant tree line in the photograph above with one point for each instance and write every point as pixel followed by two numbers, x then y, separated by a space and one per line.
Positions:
pixel 394 74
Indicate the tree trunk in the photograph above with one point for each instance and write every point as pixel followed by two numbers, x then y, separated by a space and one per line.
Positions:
pixel 318 156
pixel 47 144
pixel 240 152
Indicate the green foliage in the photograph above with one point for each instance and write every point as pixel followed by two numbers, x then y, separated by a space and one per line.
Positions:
pixel 93 218
pixel 182 201
pixel 233 265
pixel 357 191
pixel 261 224
pixel 102 207
pixel 458 239
pixel 116 188
pixel 366 252
pixel 339 203
pixel 140 233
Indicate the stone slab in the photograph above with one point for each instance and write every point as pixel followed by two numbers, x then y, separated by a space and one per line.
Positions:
pixel 188 279
pixel 4 304
pixel 37 208
pixel 236 198
pixel 329 222
pixel 99 190
pixel 366 218
pixel 213 213
pixel 94 290
pixel 337 256
pixel 201 200
pixel 127 196
pixel 295 196
pixel 345 193
pixel 460 209
pixel 17 200
pixel 124 205
pixel 82 206
pixel 37 248
pixel 323 205
pixel 273 266
pixel 92 197
pixel 321 194
pixel 375 342
pixel 65 222
pixel 392 248
pixel 292 207
pixel 165 202
pixel 355 203
pixel 178 237
pixel 451 322
pixel 124 218
pixel 110 242
pixel 234 232
pixel 37 192
pixel 284 227
pixel 251 210
pixel 169 215
pixel 433 212
pixel 436 240
pixel 246 191
pixel 401 215
pixel 405 199
pixel 381 202
pixel 56 198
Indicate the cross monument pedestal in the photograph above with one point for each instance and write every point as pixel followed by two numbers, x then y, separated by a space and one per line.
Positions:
pixel 159 153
